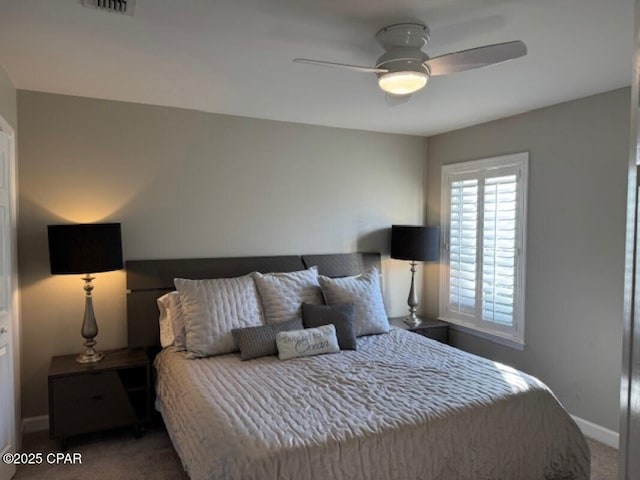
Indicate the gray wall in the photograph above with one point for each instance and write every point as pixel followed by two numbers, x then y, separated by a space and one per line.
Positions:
pixel 191 184
pixel 575 244
pixel 8 104
pixel 188 184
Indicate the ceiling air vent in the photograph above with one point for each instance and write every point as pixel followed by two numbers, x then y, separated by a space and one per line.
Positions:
pixel 124 7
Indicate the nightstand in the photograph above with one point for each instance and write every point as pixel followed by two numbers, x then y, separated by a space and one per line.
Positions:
pixel 435 329
pixel 86 398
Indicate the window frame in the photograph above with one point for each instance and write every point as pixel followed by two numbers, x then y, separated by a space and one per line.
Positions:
pixel 517 163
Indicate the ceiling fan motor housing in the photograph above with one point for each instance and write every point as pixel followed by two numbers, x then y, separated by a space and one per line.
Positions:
pixel 403 59
pixel 413 35
pixel 403 43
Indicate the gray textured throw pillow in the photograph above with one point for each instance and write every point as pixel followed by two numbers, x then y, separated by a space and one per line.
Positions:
pixel 282 294
pixel 364 292
pixel 340 316
pixel 212 308
pixel 256 342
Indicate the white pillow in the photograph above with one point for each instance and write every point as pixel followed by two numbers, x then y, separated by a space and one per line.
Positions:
pixel 365 293
pixel 304 343
pixel 282 294
pixel 212 308
pixel 172 326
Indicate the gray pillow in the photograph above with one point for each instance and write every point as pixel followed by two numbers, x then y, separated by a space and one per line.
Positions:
pixel 256 342
pixel 282 294
pixel 340 316
pixel 364 292
pixel 212 308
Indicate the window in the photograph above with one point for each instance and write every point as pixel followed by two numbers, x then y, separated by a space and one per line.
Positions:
pixel 483 246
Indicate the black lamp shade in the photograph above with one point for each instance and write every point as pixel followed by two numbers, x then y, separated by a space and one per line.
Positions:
pixel 85 248
pixel 415 243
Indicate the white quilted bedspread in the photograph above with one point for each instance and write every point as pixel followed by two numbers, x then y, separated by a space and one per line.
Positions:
pixel 400 407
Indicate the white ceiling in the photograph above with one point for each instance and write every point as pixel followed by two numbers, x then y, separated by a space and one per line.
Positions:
pixel 234 56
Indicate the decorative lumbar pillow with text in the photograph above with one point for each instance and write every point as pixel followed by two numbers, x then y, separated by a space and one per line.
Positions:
pixel 304 343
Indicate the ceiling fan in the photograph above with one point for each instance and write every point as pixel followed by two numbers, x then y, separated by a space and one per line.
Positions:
pixel 404 68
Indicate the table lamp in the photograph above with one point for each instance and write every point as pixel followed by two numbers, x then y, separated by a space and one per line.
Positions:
pixel 416 244
pixel 86 249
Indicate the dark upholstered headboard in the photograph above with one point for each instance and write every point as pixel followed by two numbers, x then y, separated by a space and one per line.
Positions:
pixel 342 264
pixel 149 279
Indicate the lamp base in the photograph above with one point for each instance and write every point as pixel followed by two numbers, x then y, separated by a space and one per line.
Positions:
pixel 412 320
pixel 89 327
pixel 89 356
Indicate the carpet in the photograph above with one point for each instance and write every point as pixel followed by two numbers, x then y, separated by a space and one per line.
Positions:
pixel 112 455
pixel 604 461
pixel 118 455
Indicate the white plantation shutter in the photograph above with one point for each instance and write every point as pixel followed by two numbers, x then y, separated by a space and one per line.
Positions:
pixel 499 249
pixel 484 218
pixel 463 245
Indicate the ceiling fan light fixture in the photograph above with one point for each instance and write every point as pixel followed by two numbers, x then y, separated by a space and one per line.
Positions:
pixel 402 83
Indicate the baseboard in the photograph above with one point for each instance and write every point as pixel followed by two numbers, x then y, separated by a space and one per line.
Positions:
pixel 35 424
pixel 598 433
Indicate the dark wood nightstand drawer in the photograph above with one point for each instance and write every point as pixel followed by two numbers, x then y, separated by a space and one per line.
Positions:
pixel 85 386
pixel 439 333
pixel 434 329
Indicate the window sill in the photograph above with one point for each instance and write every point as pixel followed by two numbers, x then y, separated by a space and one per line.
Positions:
pixel 511 342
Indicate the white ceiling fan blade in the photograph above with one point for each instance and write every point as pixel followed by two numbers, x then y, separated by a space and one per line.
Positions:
pixel 475 58
pixel 395 100
pixel 346 66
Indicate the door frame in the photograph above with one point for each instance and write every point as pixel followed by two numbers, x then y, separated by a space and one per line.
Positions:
pixel 628 465
pixel 15 290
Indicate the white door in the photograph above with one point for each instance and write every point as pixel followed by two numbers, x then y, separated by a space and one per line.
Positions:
pixel 7 377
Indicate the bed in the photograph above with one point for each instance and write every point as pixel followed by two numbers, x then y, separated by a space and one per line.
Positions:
pixel 401 406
